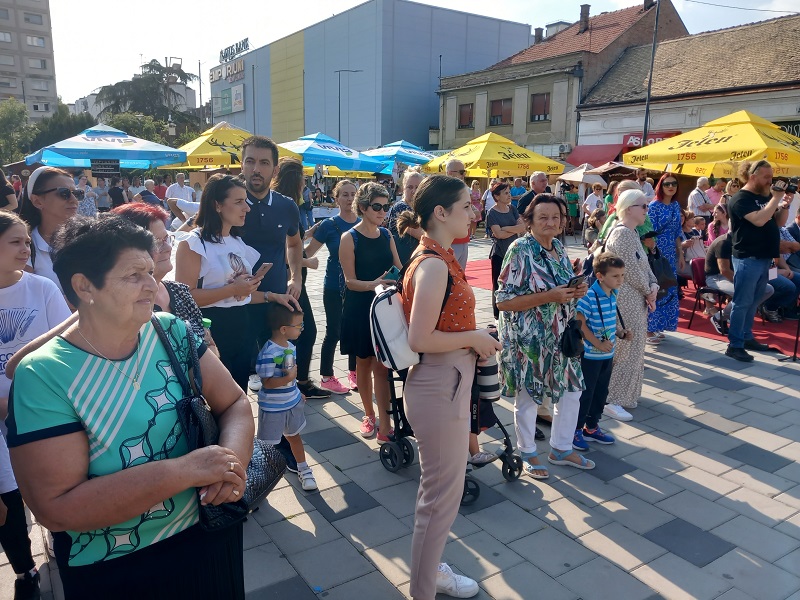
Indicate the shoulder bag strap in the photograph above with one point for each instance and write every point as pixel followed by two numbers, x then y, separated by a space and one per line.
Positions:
pixel 429 252
pixel 177 367
pixel 600 311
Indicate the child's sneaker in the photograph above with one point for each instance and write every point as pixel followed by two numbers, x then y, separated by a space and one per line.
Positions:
pixel 578 442
pixel 333 385
pixel 367 427
pixel 352 380
pixel 598 435
pixel 307 480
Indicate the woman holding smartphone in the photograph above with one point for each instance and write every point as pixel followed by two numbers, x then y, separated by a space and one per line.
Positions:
pixel 367 253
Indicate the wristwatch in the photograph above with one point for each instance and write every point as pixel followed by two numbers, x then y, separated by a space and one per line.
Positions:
pixel 266 297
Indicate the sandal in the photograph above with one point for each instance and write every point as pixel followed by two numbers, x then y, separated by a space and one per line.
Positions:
pixel 560 458
pixel 530 469
pixel 653 339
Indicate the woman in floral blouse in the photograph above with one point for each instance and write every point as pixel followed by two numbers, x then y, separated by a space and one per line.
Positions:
pixel 536 306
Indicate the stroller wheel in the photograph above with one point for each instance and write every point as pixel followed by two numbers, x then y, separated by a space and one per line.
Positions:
pixel 391 456
pixel 512 467
pixel 471 491
pixel 408 451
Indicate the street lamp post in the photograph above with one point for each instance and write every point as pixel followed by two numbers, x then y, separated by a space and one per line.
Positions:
pixel 339 73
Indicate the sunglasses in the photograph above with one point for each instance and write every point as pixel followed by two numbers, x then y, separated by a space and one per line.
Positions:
pixel 64 193
pixel 644 206
pixel 380 207
pixel 670 184
pixel 758 165
pixel 299 327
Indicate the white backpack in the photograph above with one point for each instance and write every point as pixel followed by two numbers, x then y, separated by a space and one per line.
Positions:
pixel 388 323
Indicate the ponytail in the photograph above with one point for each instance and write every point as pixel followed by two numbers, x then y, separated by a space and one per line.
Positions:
pixel 408 220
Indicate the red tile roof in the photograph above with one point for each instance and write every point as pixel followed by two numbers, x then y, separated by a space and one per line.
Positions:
pixel 603 30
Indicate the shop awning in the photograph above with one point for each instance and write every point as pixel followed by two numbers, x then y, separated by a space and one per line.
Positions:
pixel 594 154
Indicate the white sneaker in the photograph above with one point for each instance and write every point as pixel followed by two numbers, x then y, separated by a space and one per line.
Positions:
pixel 307 481
pixel 254 383
pixel 457 586
pixel 617 412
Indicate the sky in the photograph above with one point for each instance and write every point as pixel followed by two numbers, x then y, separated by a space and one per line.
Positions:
pixel 89 56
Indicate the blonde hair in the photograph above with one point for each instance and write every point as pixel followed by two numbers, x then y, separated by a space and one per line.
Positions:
pixel 340 184
pixel 627 199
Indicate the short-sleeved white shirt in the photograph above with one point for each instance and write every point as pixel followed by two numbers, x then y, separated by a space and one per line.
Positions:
pixel 43 264
pixel 177 191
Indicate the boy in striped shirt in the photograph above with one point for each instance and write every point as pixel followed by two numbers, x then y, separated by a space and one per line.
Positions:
pixel 597 313
pixel 280 402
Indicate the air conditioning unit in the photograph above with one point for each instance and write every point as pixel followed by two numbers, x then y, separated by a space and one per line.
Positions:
pixel 565 148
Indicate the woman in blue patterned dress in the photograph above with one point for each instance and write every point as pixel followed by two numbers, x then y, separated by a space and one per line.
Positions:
pixel 665 214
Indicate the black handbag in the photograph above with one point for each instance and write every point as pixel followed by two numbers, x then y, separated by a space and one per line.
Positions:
pixel 571 342
pixel 267 464
pixel 662 270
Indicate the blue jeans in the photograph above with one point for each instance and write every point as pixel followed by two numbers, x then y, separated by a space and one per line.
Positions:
pixel 786 292
pixel 306 219
pixel 750 277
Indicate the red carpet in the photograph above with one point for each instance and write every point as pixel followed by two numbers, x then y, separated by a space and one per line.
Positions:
pixel 778 335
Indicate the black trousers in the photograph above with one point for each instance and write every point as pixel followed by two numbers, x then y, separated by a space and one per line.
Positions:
pixel 332 301
pixel 596 376
pixel 193 564
pixel 305 343
pixel 497 264
pixel 14 534
pixel 233 334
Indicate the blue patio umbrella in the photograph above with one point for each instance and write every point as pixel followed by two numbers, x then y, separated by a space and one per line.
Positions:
pixel 401 151
pixel 319 149
pixel 102 142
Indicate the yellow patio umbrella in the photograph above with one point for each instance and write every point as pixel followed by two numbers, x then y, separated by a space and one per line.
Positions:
pixel 491 154
pixel 335 172
pixel 217 147
pixel 719 145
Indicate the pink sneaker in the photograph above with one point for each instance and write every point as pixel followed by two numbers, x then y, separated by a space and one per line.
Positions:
pixel 333 385
pixel 382 439
pixel 352 380
pixel 367 427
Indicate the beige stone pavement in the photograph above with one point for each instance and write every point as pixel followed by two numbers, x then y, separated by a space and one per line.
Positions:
pixel 699 498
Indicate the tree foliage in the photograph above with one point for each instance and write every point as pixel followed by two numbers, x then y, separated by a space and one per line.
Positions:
pixel 60 126
pixel 16 134
pixel 148 94
pixel 141 126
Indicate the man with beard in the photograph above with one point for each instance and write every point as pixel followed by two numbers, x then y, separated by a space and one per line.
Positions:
pixel 272 228
pixel 756 241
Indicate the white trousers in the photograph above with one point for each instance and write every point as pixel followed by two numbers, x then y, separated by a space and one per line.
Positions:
pixel 565 419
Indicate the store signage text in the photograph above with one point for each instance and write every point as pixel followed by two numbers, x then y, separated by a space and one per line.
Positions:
pixel 233 71
pixel 634 140
pixel 234 50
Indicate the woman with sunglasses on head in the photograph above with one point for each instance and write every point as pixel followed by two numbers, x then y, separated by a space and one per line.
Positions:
pixel 217 266
pixel 49 200
pixel 367 252
pixel 665 215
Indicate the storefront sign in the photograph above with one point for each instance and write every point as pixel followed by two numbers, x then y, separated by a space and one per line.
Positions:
pixel 233 71
pixel 229 101
pixel 790 127
pixel 234 50
pixel 634 140
pixel 104 167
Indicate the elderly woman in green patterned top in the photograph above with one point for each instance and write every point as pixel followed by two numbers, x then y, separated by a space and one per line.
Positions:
pixel 536 305
pixel 99 455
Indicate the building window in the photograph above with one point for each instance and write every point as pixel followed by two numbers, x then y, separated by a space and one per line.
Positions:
pixel 4 14
pixel 45 107
pixel 35 40
pixel 500 113
pixel 40 84
pixel 540 107
pixel 5 36
pixel 8 82
pixel 5 59
pixel 37 63
pixel 34 19
pixel 465 116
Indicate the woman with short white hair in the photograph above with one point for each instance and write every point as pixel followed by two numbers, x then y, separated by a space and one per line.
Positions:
pixel 636 296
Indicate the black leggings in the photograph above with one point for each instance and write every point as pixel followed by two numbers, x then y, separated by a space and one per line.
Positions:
pixel 231 330
pixel 305 343
pixel 497 264
pixel 332 301
pixel 14 534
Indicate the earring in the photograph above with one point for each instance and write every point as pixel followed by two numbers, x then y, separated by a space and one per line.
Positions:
pixel 91 301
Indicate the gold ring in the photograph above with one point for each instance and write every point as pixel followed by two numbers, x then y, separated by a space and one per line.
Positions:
pixel 235 493
pixel 233 464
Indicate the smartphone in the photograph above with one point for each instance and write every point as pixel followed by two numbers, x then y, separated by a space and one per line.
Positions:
pixel 393 273
pixel 262 270
pixel 576 281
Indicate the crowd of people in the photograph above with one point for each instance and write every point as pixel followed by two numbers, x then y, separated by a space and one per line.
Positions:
pixel 90 414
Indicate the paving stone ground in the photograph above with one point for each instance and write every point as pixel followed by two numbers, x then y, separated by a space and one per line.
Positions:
pixel 699 498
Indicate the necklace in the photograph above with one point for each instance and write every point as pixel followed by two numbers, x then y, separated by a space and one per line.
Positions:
pixel 135 378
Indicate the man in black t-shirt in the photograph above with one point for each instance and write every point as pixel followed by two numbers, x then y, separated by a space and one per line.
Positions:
pixel 755 242
pixel 116 194
pixel 538 183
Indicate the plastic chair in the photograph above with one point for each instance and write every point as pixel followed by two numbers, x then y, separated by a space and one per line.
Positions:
pixel 699 281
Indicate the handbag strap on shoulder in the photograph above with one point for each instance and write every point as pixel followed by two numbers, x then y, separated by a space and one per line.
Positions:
pixel 177 367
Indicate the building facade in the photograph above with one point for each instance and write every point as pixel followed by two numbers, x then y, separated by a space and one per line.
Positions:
pixel 530 97
pixel 27 69
pixel 366 76
pixel 688 92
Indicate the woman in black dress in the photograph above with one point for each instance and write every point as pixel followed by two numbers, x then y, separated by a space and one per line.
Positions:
pixel 366 253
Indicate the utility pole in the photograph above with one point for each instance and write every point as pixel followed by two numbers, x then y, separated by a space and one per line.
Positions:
pixel 650 78
pixel 200 82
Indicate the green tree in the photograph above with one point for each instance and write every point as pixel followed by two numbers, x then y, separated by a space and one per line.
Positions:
pixel 148 93
pixel 60 126
pixel 141 126
pixel 16 134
